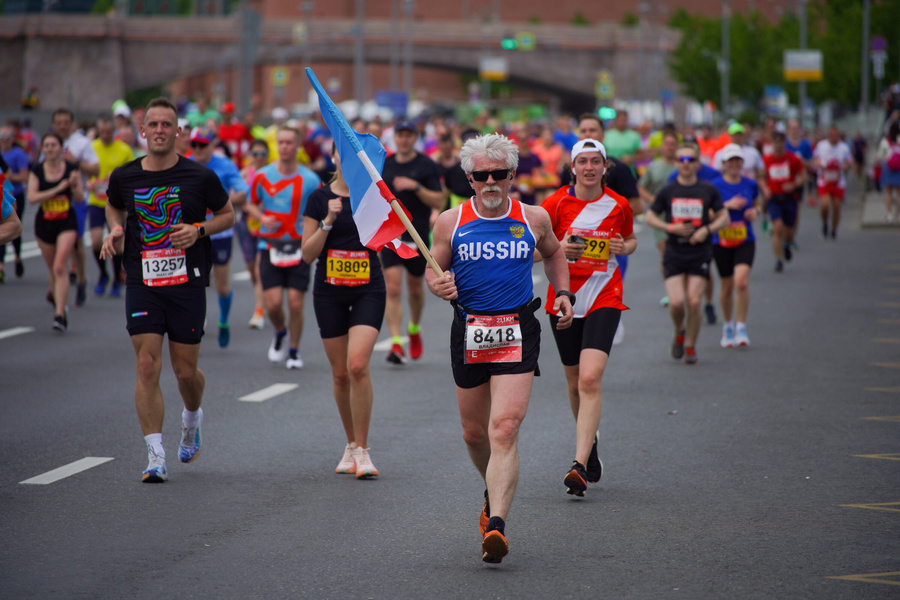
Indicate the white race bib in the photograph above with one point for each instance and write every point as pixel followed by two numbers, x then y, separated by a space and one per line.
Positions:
pixel 493 339
pixel 164 267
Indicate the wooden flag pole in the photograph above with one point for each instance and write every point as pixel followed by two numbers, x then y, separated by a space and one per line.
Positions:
pixel 416 238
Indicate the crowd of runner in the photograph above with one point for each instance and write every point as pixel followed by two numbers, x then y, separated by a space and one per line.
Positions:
pixel 161 192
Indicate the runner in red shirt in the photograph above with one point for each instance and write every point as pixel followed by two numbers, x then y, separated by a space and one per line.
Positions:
pixel 594 226
pixel 785 174
pixel 234 135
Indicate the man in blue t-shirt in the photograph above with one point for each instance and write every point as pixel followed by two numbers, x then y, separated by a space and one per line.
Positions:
pixel 203 151
pixel 10 225
pixel 16 171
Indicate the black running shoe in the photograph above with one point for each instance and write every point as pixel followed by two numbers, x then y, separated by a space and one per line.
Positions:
pixel 576 479
pixel 788 254
pixel 779 266
pixel 60 323
pixel 710 314
pixel 80 293
pixel 594 464
pixel 678 345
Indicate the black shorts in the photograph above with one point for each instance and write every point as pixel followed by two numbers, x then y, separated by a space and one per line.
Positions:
pixel 596 330
pixel 415 265
pixel 294 278
pixel 469 376
pixel 221 250
pixel 96 216
pixel 177 310
pixel 687 261
pixel 727 258
pixel 47 231
pixel 336 313
pixel 783 207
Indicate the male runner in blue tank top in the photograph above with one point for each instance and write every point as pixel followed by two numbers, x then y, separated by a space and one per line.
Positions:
pixel 486 248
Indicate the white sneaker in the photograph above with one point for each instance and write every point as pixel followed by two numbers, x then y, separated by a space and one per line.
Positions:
pixel 364 467
pixel 189 448
pixel 740 336
pixel 294 363
pixel 620 334
pixel 347 464
pixel 257 321
pixel 278 349
pixel 156 468
pixel 727 336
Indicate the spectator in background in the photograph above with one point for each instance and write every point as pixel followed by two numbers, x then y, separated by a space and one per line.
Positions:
pixel 234 135
pixel 622 143
pixel 16 173
pixel 564 135
pixel 201 112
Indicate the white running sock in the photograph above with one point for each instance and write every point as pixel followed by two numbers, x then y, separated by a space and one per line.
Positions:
pixel 191 418
pixel 154 444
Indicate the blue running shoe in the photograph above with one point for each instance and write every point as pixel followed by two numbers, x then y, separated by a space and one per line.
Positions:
pixel 224 335
pixel 189 449
pixel 156 470
pixel 100 288
pixel 116 290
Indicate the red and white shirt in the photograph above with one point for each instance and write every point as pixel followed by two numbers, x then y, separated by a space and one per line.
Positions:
pixel 830 162
pixel 594 278
pixel 781 169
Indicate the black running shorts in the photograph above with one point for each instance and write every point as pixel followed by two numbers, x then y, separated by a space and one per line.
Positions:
pixel 177 310
pixel 469 376
pixel 687 261
pixel 596 330
pixel 727 258
pixel 336 313
pixel 295 278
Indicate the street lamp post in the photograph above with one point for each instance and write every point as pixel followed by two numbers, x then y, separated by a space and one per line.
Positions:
pixel 803 42
pixel 725 60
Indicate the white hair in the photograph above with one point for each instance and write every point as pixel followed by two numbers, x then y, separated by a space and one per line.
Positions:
pixel 494 146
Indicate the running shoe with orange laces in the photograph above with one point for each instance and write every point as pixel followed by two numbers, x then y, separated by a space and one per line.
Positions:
pixel 690 356
pixel 576 479
pixel 485 515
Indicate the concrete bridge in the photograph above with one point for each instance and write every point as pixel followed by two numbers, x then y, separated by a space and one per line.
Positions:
pixel 88 61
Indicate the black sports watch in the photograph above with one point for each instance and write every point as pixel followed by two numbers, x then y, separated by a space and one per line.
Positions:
pixel 568 295
pixel 201 230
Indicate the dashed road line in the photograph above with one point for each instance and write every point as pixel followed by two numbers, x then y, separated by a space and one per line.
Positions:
pixel 872 578
pixel 889 419
pixel 68 470
pixel 889 321
pixel 888 506
pixel 14 331
pixel 887 365
pixel 886 340
pixel 881 456
pixel 889 390
pixel 270 392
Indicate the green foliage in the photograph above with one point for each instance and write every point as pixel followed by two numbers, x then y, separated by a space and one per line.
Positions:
pixel 630 19
pixel 579 19
pixel 140 97
pixel 102 7
pixel 533 19
pixel 757 49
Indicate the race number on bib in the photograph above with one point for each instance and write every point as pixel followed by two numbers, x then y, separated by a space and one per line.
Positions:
pixel 687 210
pixel 288 255
pixel 596 255
pixel 733 235
pixel 779 172
pixel 832 175
pixel 345 267
pixel 164 267
pixel 493 339
pixel 56 208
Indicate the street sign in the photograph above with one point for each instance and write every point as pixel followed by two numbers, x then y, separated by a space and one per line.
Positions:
pixel 493 69
pixel 878 43
pixel 879 57
pixel 604 89
pixel 527 41
pixel 803 65
pixel 280 76
pixel 299 33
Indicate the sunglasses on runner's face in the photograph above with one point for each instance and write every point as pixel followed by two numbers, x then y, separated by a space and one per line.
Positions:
pixel 258 154
pixel 198 145
pixel 498 175
pixel 686 159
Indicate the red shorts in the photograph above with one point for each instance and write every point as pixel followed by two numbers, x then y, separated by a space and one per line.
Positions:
pixel 831 189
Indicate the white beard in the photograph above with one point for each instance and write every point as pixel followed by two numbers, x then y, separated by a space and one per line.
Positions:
pixel 491 204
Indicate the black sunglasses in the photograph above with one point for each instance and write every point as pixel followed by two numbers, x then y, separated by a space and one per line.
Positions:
pixel 498 175
pixel 198 145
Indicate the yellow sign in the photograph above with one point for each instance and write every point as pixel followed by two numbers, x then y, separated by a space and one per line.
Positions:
pixel 280 76
pixel 803 65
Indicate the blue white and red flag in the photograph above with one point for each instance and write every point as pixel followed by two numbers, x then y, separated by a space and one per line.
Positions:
pixel 362 159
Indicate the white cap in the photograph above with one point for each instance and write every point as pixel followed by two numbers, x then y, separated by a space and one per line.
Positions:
pixel 588 145
pixel 780 128
pixel 732 151
pixel 122 111
pixel 184 123
pixel 279 113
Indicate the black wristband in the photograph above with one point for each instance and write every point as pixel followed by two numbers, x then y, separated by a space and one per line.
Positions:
pixel 568 295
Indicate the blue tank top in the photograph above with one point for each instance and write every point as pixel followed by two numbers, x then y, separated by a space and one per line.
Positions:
pixel 492 259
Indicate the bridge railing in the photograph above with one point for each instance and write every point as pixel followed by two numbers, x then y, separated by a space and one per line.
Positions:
pixel 281 31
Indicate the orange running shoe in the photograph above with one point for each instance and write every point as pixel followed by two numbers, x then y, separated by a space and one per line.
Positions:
pixel 494 547
pixel 485 515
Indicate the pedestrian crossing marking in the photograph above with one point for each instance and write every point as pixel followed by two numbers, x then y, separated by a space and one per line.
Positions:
pixel 68 470
pixel 888 506
pixel 872 578
pixel 889 419
pixel 890 365
pixel 890 390
pixel 886 340
pixel 14 331
pixel 882 456
pixel 270 392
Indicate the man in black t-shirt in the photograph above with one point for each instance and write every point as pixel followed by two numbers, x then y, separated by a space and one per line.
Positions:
pixel 682 209
pixel 415 181
pixel 158 204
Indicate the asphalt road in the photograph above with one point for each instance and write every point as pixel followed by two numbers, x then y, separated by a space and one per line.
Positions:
pixel 770 472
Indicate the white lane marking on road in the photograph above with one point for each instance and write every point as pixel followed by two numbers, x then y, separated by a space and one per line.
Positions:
pixel 388 344
pixel 68 470
pixel 29 250
pixel 270 392
pixel 8 333
pixel 242 276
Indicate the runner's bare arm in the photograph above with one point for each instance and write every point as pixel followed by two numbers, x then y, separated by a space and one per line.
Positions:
pixel 114 242
pixel 443 287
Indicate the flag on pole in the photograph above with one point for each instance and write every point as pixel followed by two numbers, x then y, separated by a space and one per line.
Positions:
pixel 362 159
